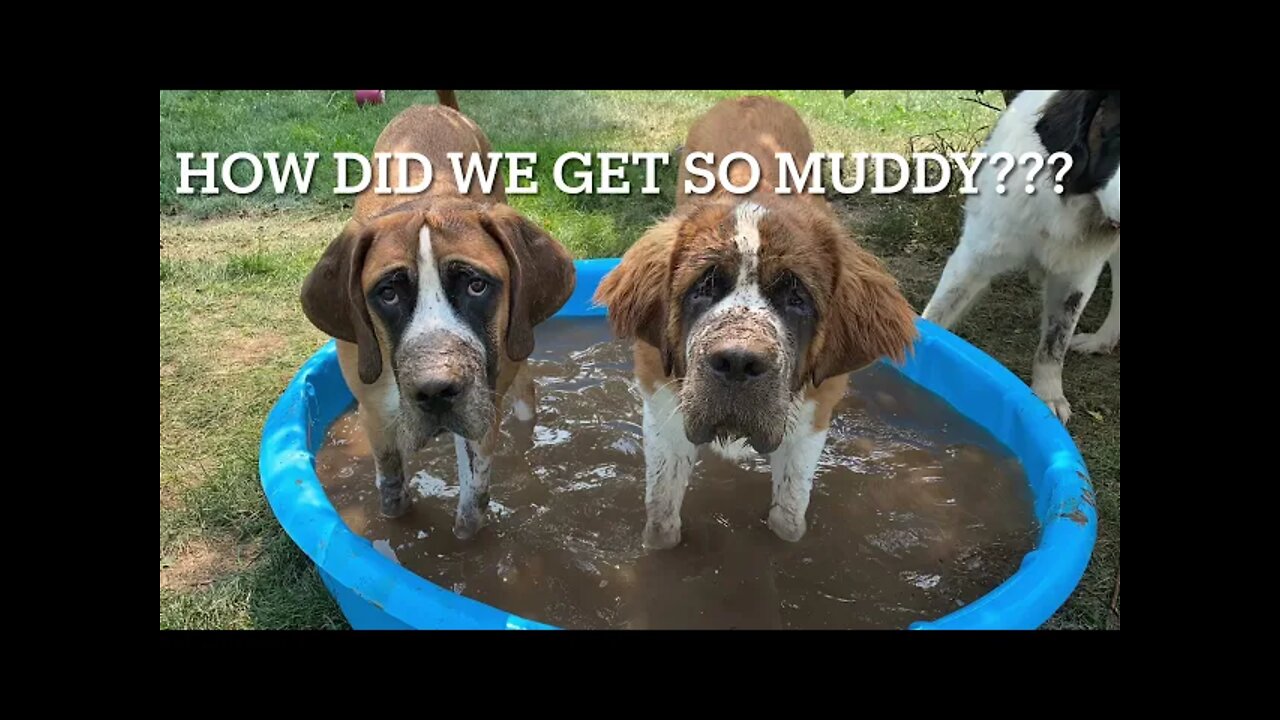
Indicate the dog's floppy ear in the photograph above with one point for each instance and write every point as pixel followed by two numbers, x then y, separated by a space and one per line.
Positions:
pixel 542 275
pixel 867 318
pixel 333 298
pixel 1064 127
pixel 635 292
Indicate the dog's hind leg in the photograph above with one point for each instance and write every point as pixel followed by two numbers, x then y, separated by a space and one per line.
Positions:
pixel 524 405
pixel 1065 295
pixel 524 395
pixel 1107 336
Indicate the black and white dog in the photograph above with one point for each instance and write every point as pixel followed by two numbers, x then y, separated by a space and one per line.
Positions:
pixel 1068 237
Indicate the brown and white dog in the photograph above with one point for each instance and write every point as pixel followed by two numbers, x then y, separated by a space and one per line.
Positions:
pixel 433 300
pixel 749 313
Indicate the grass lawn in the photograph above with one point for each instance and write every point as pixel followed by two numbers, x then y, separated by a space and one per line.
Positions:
pixel 232 332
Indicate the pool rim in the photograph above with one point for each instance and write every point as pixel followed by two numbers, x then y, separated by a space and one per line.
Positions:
pixel 375 592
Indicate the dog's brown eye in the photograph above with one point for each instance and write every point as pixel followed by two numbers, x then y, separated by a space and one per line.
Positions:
pixel 796 299
pixel 388 295
pixel 477 287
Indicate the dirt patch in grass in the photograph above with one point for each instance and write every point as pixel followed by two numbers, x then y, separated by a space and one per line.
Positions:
pixel 238 350
pixel 202 561
pixel 168 500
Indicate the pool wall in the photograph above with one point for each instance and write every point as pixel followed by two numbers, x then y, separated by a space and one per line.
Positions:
pixel 376 593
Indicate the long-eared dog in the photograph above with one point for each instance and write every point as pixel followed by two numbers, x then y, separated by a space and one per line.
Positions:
pixel 433 299
pixel 749 313
pixel 1067 237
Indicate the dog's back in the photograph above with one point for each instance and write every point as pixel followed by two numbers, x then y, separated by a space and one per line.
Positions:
pixel 759 126
pixel 1083 213
pixel 433 131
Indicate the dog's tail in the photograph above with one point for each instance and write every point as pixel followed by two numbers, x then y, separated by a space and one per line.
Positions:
pixel 447 98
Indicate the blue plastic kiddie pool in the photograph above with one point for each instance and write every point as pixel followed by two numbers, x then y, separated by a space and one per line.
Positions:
pixel 376 593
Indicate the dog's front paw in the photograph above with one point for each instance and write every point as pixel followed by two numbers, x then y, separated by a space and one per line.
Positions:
pixel 394 504
pixel 1094 343
pixel 468 522
pixel 787 525
pixel 661 536
pixel 1057 403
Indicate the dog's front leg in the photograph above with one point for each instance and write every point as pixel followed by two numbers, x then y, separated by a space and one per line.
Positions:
pixel 1107 336
pixel 668 460
pixel 969 271
pixel 475 467
pixel 1065 295
pixel 388 464
pixel 794 464
pixel 475 458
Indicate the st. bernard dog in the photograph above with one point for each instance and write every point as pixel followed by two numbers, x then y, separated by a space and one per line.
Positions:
pixel 1067 238
pixel 433 300
pixel 749 312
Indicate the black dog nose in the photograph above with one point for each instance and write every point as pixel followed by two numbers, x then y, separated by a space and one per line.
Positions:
pixel 737 364
pixel 437 396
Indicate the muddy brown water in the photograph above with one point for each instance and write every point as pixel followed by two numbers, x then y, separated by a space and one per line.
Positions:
pixel 915 512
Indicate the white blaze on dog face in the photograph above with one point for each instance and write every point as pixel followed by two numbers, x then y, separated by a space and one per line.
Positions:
pixel 432 312
pixel 435 308
pixel 737 349
pixel 745 299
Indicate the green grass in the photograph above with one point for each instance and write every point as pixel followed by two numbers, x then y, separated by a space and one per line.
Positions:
pixel 231 333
